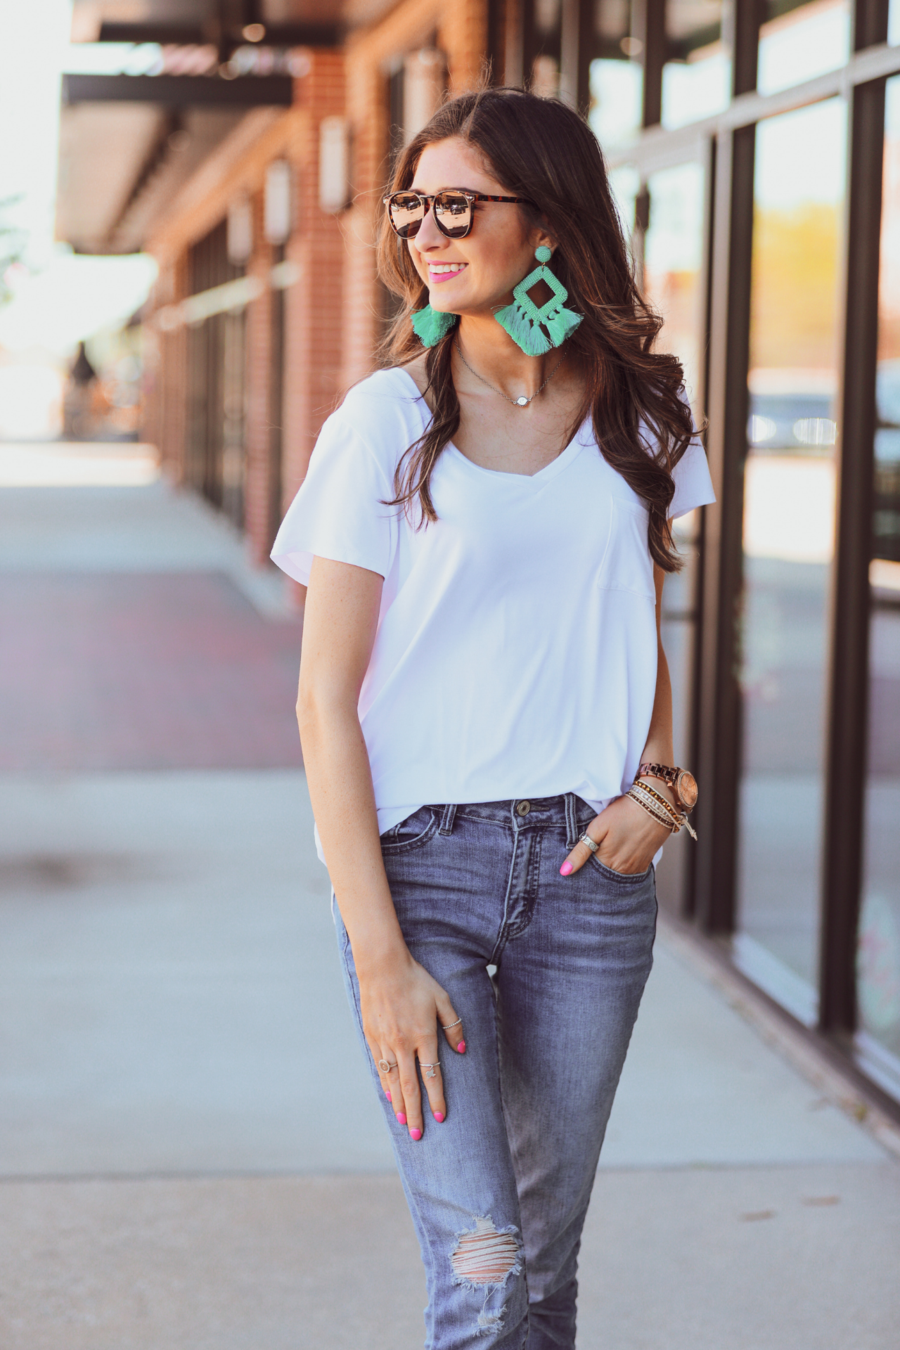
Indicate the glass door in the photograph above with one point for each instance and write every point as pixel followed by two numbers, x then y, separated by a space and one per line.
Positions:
pixel 878 951
pixel 788 547
pixel 674 282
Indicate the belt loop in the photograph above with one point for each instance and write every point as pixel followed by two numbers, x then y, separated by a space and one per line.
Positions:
pixel 571 827
pixel 447 818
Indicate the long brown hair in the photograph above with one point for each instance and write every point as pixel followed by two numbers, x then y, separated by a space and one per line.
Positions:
pixel 540 149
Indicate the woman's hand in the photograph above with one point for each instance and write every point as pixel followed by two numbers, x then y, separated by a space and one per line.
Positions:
pixel 403 1009
pixel 628 837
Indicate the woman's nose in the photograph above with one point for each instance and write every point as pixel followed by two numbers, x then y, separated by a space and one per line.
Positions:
pixel 429 236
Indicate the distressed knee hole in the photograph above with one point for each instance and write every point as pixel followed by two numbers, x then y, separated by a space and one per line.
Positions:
pixel 485 1256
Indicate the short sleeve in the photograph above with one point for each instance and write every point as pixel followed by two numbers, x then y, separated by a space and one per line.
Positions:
pixel 693 484
pixel 339 512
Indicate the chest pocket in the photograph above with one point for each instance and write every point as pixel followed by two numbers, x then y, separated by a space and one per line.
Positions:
pixel 627 565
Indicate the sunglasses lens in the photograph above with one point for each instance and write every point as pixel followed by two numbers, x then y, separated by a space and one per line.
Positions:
pixel 406 213
pixel 453 213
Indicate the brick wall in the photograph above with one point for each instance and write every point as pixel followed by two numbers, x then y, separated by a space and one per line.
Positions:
pixel 314 319
pixel 333 308
pixel 257 433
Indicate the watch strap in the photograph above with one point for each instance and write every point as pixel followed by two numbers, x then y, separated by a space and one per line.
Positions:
pixel 663 771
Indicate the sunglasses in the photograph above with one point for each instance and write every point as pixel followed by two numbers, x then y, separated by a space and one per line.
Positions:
pixel 453 211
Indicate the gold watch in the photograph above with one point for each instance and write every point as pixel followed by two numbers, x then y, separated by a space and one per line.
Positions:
pixel 681 781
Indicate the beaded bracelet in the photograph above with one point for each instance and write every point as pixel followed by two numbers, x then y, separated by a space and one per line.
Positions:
pixel 654 803
pixel 649 805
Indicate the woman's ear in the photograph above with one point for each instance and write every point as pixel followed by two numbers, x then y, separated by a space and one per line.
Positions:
pixel 542 239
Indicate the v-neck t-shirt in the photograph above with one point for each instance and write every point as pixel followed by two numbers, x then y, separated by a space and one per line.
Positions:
pixel 516 652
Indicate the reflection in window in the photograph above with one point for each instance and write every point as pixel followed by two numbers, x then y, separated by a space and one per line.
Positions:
pixel 617 77
pixel 672 282
pixel 800 40
pixel 625 182
pixel 673 251
pixel 789 498
pixel 878 952
pixel 697 72
pixel 545 66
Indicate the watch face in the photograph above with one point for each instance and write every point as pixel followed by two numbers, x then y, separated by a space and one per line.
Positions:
pixel 687 790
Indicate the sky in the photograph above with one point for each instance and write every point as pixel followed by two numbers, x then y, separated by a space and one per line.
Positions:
pixel 58 297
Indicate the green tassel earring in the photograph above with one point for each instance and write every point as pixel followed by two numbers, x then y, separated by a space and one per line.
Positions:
pixel 522 319
pixel 431 325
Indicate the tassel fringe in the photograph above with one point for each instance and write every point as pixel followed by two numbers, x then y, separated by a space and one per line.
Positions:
pixel 431 325
pixel 529 336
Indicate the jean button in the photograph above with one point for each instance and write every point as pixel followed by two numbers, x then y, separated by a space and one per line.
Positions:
pixel 523 808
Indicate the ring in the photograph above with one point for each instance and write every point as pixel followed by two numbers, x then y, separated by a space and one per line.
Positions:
pixel 430 1067
pixel 452 1025
pixel 385 1067
pixel 588 842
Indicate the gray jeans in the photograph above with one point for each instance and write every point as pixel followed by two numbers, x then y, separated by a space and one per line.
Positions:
pixel 513 1164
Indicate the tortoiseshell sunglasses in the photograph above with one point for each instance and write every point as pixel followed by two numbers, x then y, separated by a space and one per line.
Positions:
pixel 453 210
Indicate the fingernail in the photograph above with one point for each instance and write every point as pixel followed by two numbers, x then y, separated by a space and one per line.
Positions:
pixel 401 1118
pixel 387 1093
pixel 415 1134
pixel 439 1116
pixel 461 1047
pixel 565 869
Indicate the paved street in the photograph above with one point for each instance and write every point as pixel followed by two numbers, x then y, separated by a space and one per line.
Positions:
pixel 190 1154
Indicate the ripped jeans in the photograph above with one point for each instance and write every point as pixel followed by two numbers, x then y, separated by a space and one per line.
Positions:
pixel 499 1191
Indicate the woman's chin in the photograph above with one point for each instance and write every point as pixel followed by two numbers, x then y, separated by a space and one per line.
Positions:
pixel 441 304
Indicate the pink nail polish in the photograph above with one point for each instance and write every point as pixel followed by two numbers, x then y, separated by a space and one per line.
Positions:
pixel 461 1047
pixel 387 1093
pixel 439 1116
pixel 415 1134
pixel 565 869
pixel 401 1118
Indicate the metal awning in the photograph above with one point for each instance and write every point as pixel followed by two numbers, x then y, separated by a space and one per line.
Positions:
pixel 129 143
pixel 226 24
pixel 180 91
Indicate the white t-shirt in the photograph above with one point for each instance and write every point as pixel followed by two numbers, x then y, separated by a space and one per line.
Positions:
pixel 515 654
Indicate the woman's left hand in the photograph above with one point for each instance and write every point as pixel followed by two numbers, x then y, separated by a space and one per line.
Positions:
pixel 628 837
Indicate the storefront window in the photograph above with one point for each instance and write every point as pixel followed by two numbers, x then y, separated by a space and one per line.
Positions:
pixel 788 537
pixel 673 254
pixel 800 40
pixel 673 283
pixel 894 23
pixel 697 72
pixel 625 182
pixel 617 78
pixel 878 956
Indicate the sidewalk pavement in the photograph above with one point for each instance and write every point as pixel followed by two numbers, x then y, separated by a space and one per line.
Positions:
pixel 190 1153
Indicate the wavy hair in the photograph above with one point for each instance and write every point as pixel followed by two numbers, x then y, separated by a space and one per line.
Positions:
pixel 540 149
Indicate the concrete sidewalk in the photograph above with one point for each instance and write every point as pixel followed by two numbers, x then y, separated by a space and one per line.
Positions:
pixel 190 1154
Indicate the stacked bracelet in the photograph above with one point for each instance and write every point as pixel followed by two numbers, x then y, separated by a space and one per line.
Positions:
pixel 660 801
pixel 644 799
pixel 659 808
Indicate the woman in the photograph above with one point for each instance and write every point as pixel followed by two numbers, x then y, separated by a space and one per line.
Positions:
pixel 484 532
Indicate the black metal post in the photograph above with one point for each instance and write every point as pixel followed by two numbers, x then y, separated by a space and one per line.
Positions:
pixel 719 702
pixel 847 723
pixel 648 27
pixel 577 43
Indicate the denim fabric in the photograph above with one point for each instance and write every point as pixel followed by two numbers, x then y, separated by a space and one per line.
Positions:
pixel 528 1103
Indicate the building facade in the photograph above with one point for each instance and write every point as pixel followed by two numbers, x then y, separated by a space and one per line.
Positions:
pixel 754 146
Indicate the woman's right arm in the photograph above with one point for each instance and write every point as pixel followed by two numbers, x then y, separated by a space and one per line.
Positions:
pixel 401 1004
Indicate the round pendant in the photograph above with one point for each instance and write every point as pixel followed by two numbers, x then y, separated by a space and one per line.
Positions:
pixel 522 402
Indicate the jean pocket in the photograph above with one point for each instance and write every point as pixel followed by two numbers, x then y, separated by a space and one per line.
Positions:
pixel 412 833
pixel 623 878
